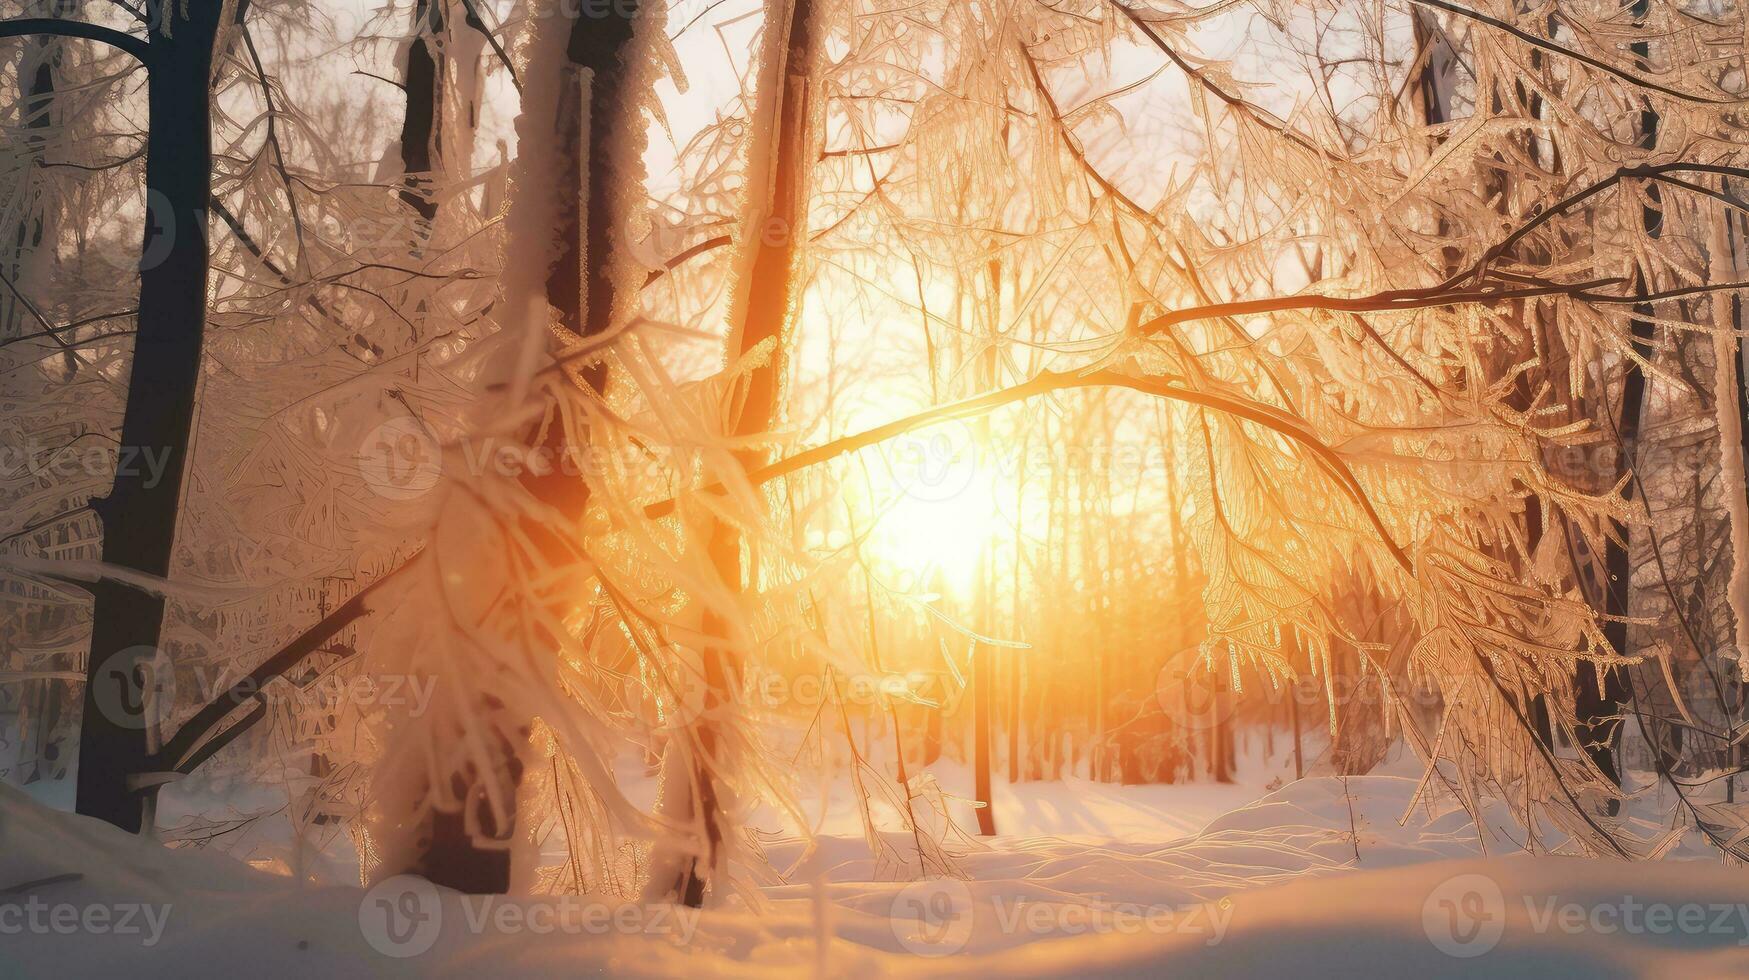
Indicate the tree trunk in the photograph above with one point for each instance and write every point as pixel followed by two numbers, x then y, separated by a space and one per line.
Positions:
pixel 1220 738
pixel 124 669
pixel 777 188
pixel 33 258
pixel 422 124
pixel 582 293
pixel 1599 700
pixel 1293 720
pixel 1731 408
pixel 981 679
pixel 983 659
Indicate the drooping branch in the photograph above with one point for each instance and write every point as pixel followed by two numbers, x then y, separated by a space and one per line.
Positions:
pixel 1446 293
pixel 288 657
pixel 1660 172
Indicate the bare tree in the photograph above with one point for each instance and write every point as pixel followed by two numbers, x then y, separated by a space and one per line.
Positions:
pixel 139 514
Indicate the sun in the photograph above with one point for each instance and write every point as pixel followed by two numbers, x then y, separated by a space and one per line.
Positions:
pixel 932 496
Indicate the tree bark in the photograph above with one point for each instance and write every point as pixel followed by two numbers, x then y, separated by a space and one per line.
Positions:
pixel 778 198
pixel 579 285
pixel 1599 695
pixel 34 248
pixel 422 124
pixel 139 514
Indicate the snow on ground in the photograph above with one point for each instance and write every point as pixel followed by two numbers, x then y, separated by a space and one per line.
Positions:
pixel 1316 879
pixel 1072 808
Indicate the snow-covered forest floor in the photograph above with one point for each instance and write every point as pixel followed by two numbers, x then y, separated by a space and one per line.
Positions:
pixel 1090 879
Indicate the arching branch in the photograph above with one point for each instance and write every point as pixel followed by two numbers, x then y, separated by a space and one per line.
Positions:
pixel 1048 381
pixel 191 743
pixel 34 26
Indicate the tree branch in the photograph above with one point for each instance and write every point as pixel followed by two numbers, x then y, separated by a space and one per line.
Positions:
pixel 192 743
pixel 1407 299
pixel 1048 381
pixel 1548 45
pixel 126 43
pixel 474 20
pixel 1250 110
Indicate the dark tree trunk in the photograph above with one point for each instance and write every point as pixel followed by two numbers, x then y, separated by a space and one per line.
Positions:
pixel 1598 701
pixel 139 514
pixel 423 83
pixel 423 120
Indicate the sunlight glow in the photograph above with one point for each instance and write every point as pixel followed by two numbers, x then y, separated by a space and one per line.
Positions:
pixel 932 496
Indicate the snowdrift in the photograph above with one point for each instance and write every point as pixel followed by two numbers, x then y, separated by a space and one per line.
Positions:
pixel 1318 879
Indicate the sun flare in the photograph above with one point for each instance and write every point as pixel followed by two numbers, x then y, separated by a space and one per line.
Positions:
pixel 925 509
